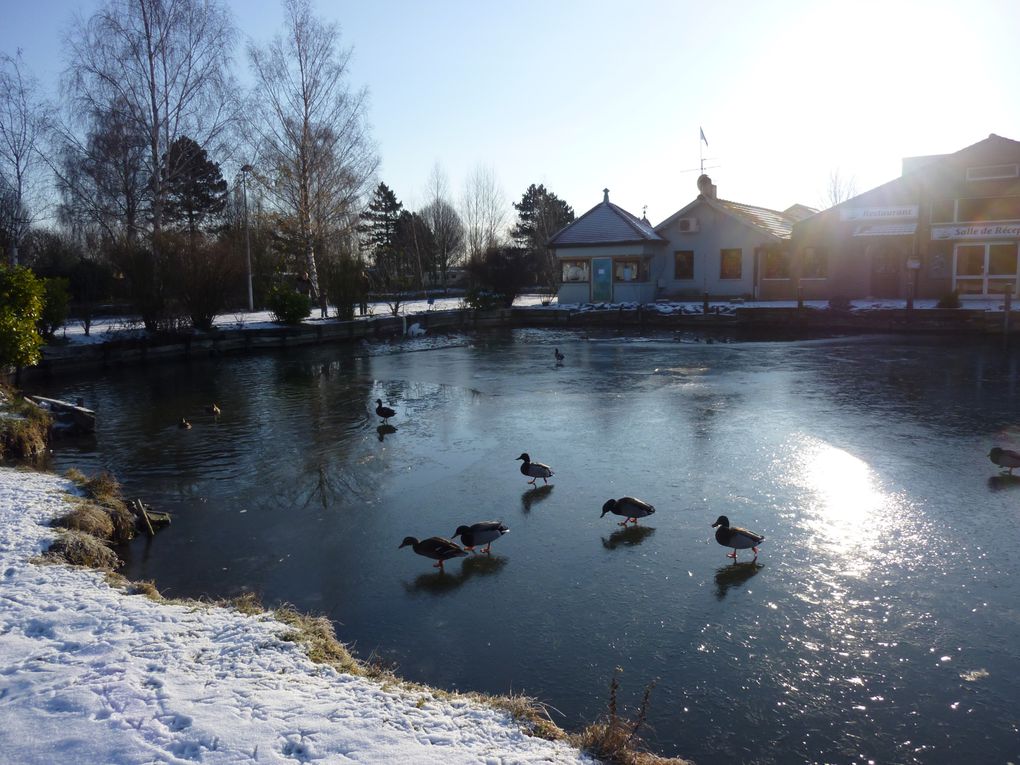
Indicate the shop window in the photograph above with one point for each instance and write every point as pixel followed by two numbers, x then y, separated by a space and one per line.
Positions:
pixel 970 260
pixel 575 271
pixel 777 265
pixel 989 172
pixel 943 211
pixel 630 270
pixel 988 208
pixel 815 263
pixel 731 263
pixel 1002 259
pixel 684 264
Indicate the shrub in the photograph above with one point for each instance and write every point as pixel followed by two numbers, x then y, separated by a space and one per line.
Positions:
pixel 949 300
pixel 56 299
pixel 839 303
pixel 21 305
pixel 482 300
pixel 288 306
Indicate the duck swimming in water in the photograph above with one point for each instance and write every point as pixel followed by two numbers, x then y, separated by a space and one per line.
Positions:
pixel 630 508
pixel 437 548
pixel 484 533
pixel 1005 458
pixel 558 356
pixel 534 470
pixel 184 424
pixel 383 411
pixel 735 537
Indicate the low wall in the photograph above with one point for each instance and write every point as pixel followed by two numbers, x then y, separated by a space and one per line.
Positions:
pixel 116 353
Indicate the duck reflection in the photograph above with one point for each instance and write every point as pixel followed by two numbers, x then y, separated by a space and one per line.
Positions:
pixel 439 583
pixel 385 430
pixel 1002 482
pixel 534 496
pixel 734 575
pixel 628 537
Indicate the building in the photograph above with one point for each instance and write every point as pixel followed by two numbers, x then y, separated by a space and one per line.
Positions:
pixel 950 222
pixel 712 246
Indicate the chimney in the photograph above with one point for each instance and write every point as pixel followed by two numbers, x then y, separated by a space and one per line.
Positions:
pixel 605 196
pixel 705 187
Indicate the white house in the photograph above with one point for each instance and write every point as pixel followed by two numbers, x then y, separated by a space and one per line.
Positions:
pixel 712 246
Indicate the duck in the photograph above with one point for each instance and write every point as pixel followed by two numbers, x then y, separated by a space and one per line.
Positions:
pixel 213 409
pixel 559 356
pixel 383 411
pixel 184 424
pixel 535 470
pixel 437 548
pixel 484 533
pixel 630 508
pixel 1005 458
pixel 735 537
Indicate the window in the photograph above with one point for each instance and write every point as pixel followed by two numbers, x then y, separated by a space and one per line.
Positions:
pixel 575 271
pixel 943 211
pixel 684 264
pixel 630 270
pixel 730 263
pixel 989 172
pixel 777 265
pixel 815 264
pixel 988 208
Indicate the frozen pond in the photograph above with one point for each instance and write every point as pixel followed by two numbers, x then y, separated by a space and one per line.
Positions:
pixel 880 623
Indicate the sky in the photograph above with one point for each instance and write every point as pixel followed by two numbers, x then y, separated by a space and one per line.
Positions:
pixel 581 95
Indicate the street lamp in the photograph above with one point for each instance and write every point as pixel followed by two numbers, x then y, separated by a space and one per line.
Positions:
pixel 245 169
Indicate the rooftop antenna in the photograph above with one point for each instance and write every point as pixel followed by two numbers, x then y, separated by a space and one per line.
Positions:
pixel 701 152
pixel 644 211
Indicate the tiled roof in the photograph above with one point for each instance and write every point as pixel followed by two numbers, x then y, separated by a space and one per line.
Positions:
pixel 605 224
pixel 772 221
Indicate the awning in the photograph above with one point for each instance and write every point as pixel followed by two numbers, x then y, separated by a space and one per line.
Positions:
pixel 886 229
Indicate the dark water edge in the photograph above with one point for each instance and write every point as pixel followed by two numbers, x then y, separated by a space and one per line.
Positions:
pixel 878 624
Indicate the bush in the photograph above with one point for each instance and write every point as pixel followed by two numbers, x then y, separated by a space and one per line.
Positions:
pixel 839 303
pixel 56 299
pixel 504 271
pixel 949 300
pixel 21 306
pixel 482 300
pixel 288 306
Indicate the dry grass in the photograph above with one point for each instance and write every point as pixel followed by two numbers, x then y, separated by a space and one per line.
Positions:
pixel 103 492
pixel 319 639
pixel 88 518
pixel 614 739
pixel 81 549
pixel 24 428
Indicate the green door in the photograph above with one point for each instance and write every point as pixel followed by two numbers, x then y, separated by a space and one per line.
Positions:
pixel 602 280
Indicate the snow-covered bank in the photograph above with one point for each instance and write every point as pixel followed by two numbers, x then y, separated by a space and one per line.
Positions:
pixel 91 675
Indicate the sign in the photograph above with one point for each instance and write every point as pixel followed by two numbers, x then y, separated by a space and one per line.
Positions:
pixel 977 231
pixel 885 229
pixel 878 213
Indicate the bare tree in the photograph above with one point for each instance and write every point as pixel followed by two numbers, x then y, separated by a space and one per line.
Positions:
pixel 22 128
pixel 839 189
pixel 484 209
pixel 444 223
pixel 310 129
pixel 164 66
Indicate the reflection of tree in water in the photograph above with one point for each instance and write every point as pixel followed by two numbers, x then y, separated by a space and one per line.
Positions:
pixel 628 537
pixel 734 575
pixel 439 582
pixel 533 496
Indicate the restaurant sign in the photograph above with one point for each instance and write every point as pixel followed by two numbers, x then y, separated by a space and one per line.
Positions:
pixel 977 231
pixel 878 213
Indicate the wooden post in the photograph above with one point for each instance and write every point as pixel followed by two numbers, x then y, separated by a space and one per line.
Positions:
pixel 1007 308
pixel 800 296
pixel 704 305
pixel 140 510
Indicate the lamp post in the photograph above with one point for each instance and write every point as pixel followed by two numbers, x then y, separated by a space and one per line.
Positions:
pixel 245 169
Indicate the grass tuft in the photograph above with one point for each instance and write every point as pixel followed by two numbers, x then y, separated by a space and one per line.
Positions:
pixel 24 428
pixel 81 549
pixel 319 639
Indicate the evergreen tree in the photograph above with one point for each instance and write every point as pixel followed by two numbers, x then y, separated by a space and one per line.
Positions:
pixel 540 214
pixel 195 189
pixel 379 222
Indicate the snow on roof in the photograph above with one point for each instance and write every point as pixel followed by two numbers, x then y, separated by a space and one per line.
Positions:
pixel 94 676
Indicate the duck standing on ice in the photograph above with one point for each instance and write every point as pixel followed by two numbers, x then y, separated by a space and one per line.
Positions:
pixel 534 470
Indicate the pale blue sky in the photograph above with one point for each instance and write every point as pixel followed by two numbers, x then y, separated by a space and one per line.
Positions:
pixel 583 94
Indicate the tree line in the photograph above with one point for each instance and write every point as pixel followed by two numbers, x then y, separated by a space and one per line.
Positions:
pixel 117 193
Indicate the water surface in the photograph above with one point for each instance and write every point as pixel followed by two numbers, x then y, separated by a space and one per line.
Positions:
pixel 880 621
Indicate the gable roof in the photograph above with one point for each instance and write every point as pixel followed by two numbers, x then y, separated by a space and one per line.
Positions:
pixel 773 222
pixel 605 223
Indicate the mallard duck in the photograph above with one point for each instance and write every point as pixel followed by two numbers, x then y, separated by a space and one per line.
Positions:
pixel 629 508
pixel 213 409
pixel 534 470
pixel 735 537
pixel 437 548
pixel 383 411
pixel 184 424
pixel 484 533
pixel 559 356
pixel 1005 458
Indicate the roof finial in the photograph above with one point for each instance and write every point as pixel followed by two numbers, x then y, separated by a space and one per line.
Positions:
pixel 605 196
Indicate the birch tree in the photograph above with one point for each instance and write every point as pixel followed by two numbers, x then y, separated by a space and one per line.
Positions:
pixel 484 209
pixel 22 128
pixel 310 129
pixel 443 222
